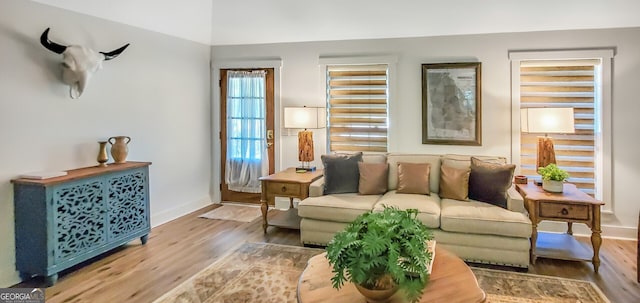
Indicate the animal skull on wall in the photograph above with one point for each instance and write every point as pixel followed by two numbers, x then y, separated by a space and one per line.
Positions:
pixel 78 63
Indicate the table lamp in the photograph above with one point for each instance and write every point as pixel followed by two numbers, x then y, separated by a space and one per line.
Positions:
pixel 547 120
pixel 305 118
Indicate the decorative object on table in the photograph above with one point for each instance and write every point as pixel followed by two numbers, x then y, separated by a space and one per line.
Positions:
pixel 451 103
pixel 305 118
pixel 102 154
pixel 546 120
pixel 553 178
pixel 119 149
pixel 382 252
pixel 520 179
pixel 78 63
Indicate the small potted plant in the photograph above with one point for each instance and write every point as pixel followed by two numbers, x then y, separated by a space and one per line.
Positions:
pixel 553 178
pixel 381 252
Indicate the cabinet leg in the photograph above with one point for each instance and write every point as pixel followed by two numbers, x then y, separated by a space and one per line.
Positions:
pixel 50 280
pixel 144 239
pixel 570 228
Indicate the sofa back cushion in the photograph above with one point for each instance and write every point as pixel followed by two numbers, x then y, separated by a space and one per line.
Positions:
pixel 374 158
pixel 434 173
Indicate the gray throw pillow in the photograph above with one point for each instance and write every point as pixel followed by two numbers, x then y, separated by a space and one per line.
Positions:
pixel 489 182
pixel 341 173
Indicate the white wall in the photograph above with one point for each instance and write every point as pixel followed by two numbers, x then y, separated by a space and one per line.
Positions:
pixel 157 92
pixel 302 84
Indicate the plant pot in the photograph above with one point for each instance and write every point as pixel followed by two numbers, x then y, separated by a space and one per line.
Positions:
pixel 552 186
pixel 377 295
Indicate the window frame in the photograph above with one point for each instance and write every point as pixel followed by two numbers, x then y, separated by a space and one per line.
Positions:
pixel 391 61
pixel 603 158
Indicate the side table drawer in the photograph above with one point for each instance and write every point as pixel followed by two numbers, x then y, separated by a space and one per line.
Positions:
pixel 563 211
pixel 284 189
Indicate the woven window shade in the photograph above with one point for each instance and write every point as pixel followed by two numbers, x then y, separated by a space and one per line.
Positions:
pixel 357 102
pixel 563 83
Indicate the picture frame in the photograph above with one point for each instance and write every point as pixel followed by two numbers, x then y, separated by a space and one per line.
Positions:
pixel 451 103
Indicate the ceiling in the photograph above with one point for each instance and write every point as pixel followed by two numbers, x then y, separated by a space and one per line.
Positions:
pixel 225 22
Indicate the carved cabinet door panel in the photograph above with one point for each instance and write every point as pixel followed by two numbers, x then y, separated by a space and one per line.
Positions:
pixel 78 219
pixel 127 204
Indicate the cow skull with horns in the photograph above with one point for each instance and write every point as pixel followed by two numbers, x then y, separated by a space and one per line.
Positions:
pixel 78 63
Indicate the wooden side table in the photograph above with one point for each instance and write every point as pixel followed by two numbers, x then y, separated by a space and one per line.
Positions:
pixel 287 183
pixel 571 206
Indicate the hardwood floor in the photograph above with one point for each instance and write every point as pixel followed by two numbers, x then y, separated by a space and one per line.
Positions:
pixel 179 249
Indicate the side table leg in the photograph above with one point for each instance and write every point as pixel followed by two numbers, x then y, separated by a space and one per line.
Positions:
pixel 264 206
pixel 569 228
pixel 596 240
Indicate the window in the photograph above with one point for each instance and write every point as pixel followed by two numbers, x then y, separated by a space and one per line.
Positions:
pixel 577 79
pixel 357 99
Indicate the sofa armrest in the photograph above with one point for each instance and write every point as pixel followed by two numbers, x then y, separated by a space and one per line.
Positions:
pixel 316 188
pixel 515 202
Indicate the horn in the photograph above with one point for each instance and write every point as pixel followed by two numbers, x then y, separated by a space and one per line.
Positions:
pixel 112 54
pixel 50 45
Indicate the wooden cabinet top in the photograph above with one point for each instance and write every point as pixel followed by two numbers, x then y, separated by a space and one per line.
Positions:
pixel 290 175
pixel 570 194
pixel 84 172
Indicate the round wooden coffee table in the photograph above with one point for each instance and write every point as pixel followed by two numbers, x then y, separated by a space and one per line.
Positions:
pixel 451 281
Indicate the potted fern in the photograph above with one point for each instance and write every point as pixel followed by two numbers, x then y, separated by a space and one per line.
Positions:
pixel 382 252
pixel 553 178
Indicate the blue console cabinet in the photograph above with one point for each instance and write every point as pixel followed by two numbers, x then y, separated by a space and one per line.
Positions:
pixel 62 221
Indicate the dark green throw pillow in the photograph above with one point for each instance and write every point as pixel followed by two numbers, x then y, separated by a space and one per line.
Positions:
pixel 341 173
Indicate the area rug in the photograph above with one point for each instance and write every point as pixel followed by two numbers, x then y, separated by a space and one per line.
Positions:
pixel 261 272
pixel 234 212
pixel 506 287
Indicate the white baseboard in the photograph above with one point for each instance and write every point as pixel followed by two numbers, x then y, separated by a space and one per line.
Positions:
pixel 176 212
pixel 8 278
pixel 608 231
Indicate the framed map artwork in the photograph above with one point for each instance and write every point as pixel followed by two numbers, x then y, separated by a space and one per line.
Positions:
pixel 451 105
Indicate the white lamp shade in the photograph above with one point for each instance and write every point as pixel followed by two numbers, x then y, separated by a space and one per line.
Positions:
pixel 547 120
pixel 305 117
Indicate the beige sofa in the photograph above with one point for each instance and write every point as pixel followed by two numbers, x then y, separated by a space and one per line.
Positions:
pixel 475 231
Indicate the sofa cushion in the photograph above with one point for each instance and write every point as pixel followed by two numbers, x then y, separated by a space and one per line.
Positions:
pixel 428 206
pixel 341 173
pixel 465 160
pixel 454 182
pixel 413 178
pixel 475 217
pixel 374 158
pixel 489 182
pixel 337 207
pixel 373 178
pixel 434 174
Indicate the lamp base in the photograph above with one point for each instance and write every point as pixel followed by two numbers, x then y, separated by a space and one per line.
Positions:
pixel 545 152
pixel 304 169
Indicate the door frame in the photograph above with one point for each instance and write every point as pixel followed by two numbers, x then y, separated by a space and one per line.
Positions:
pixel 216 144
pixel 270 126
